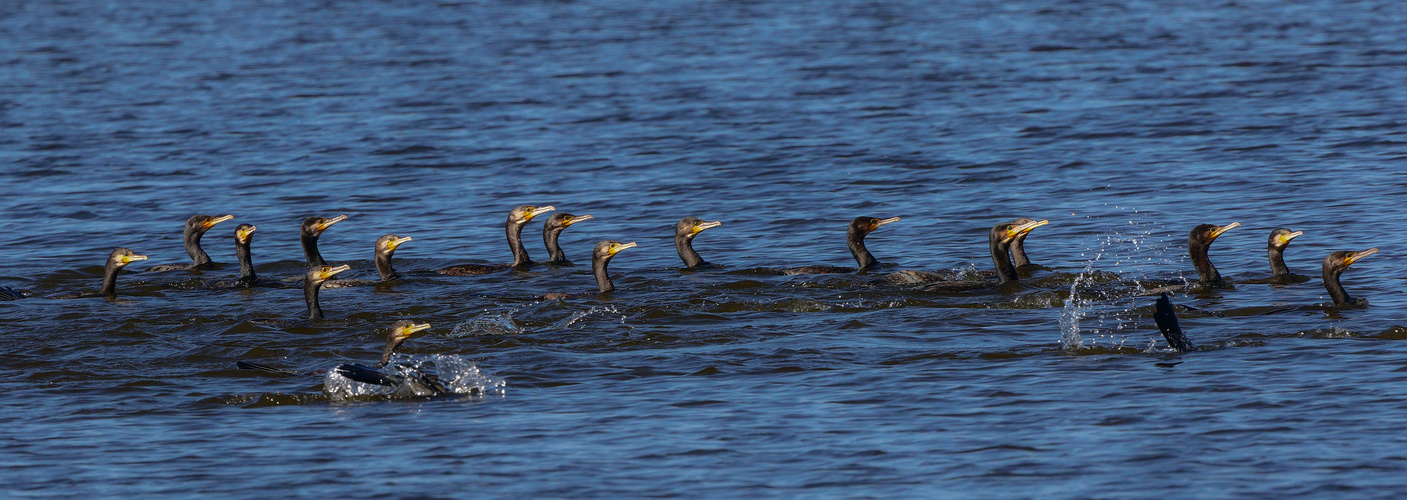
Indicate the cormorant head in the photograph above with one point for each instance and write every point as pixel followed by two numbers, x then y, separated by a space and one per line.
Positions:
pixel 320 274
pixel 388 243
pixel 692 226
pixel 1026 222
pixel 525 213
pixel 1007 232
pixel 1338 261
pixel 863 225
pixel 403 329
pixel 1280 237
pixel 1203 235
pixel 314 226
pixel 400 331
pixel 243 233
pixel 609 248
pixel 561 220
pixel 203 223
pixel 123 256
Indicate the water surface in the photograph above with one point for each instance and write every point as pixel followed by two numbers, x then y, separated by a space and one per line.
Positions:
pixel 1124 124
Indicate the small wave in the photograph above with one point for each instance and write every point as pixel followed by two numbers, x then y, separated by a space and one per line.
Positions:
pixel 488 323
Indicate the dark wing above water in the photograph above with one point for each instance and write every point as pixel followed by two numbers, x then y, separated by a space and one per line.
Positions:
pixel 1167 323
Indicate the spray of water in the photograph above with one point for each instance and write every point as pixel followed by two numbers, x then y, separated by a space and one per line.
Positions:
pixel 1105 294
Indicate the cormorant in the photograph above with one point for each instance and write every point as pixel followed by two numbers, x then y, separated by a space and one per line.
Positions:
pixel 684 233
pixel 1334 265
pixel 552 228
pixel 116 260
pixel 1279 240
pixel 244 237
pixel 409 382
pixel 999 245
pixel 999 241
pixel 313 282
pixel 855 239
pixel 308 234
pixel 514 229
pixel 196 226
pixel 385 248
pixel 1198 241
pixel 601 256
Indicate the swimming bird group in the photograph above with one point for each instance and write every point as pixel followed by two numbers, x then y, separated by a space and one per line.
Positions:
pixel 1005 244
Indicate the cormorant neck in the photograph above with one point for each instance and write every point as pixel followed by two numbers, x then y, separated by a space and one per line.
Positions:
pixel 515 243
pixel 383 265
pixel 554 251
pixel 1331 283
pixel 1277 261
pixel 1018 251
pixel 1205 270
pixel 192 241
pixel 110 279
pixel 603 279
pixel 310 250
pixel 246 261
pixel 856 241
pixel 310 294
pixel 1005 270
pixel 391 346
pixel 684 244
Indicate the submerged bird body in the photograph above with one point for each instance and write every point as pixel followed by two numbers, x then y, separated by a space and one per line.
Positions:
pixel 517 218
pixel 684 233
pixel 854 239
pixel 116 260
pixel 1334 265
pixel 552 229
pixel 196 226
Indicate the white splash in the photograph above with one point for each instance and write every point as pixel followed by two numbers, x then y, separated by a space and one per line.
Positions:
pixel 459 375
pixel 1099 306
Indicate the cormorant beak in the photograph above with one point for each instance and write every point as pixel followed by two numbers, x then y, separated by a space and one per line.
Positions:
pixel 391 245
pixel 1353 257
pixel 1284 239
pixel 244 233
pixel 1020 229
pixel 1029 226
pixel 875 225
pixel 615 249
pixel 538 211
pixel 574 220
pixel 330 222
pixel 128 259
pixel 328 272
pixel 412 329
pixel 212 222
pixel 1217 232
pixel 698 228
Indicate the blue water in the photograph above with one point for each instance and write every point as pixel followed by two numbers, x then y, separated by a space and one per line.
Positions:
pixel 1123 123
